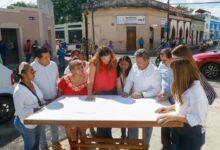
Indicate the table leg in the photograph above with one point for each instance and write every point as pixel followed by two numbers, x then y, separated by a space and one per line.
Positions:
pixel 144 138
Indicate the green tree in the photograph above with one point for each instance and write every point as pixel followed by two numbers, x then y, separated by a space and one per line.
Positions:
pixel 66 11
pixel 182 7
pixel 22 4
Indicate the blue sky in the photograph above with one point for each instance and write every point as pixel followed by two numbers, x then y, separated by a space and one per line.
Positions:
pixel 213 8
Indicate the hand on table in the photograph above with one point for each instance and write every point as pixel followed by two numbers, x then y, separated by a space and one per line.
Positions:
pixel 90 97
pixel 124 94
pixel 163 119
pixel 136 95
pixel 162 110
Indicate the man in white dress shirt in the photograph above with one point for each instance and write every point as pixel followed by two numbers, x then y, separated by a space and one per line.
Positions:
pixel 143 81
pixel 46 79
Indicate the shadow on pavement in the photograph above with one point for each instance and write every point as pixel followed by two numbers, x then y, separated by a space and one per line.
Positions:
pixel 8 133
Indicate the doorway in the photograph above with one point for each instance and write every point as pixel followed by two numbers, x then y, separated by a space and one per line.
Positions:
pixel 173 35
pixel 187 33
pixel 10 41
pixel 151 40
pixel 131 38
pixel 162 33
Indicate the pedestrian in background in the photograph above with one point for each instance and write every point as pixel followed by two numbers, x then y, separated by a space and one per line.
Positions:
pixel 61 59
pixel 141 42
pixel 27 50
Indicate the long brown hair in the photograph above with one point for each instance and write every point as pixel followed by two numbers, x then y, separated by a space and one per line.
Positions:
pixel 104 51
pixel 184 74
pixel 184 52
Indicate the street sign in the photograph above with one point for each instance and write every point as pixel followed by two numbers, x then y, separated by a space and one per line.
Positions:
pixel 134 20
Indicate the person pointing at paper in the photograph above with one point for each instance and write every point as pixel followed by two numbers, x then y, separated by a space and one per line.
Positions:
pixel 143 81
pixel 102 79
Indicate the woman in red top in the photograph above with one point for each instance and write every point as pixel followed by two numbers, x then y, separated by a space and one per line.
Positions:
pixel 74 83
pixel 102 79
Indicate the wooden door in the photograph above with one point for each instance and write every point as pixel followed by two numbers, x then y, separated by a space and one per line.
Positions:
pixel 131 38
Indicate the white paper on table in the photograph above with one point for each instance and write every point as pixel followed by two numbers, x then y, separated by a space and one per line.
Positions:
pixel 103 108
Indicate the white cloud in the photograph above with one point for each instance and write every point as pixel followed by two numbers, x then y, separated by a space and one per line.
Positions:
pixel 5 3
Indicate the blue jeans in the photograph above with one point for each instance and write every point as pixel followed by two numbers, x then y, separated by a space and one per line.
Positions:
pixel 54 136
pixel 31 137
pixel 133 134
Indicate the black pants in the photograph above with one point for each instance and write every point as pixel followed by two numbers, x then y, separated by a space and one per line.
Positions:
pixel 106 132
pixel 188 138
pixel 166 138
pixel 141 45
pixel 28 57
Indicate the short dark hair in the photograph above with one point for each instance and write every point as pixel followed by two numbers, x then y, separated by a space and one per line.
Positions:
pixel 166 52
pixel 40 51
pixel 142 53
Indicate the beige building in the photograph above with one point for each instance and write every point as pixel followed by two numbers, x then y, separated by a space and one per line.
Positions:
pixel 197 33
pixel 19 24
pixel 124 22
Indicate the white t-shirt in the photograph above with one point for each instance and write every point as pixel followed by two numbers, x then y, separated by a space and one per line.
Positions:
pixel 195 105
pixel 46 78
pixel 147 81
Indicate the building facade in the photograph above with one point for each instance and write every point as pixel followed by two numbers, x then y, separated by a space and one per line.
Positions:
pixel 69 32
pixel 214 28
pixel 197 27
pixel 125 22
pixel 20 24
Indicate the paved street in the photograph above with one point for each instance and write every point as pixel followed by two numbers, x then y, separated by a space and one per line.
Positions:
pixel 11 140
pixel 31 29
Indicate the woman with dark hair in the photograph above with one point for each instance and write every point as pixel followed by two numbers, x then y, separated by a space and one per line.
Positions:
pixel 191 107
pixel 123 69
pixel 28 98
pixel 102 79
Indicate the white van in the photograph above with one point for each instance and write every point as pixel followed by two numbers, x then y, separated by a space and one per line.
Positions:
pixel 6 91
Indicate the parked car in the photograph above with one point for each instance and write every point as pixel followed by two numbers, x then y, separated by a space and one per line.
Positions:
pixel 6 91
pixel 209 63
pixel 209 42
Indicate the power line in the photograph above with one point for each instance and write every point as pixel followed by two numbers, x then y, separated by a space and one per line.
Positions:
pixel 197 3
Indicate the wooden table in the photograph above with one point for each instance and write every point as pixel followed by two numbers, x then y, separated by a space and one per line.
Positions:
pixel 104 112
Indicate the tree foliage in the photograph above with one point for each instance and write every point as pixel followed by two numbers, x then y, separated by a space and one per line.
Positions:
pixel 182 7
pixel 22 4
pixel 66 11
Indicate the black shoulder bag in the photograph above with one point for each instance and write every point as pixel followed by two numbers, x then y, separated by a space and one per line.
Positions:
pixel 38 100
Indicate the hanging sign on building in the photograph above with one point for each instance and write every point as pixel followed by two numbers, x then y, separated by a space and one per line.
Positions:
pixel 132 20
pixel 163 22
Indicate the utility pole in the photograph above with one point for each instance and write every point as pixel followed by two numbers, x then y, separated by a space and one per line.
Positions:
pixel 86 50
pixel 168 20
pixel 93 28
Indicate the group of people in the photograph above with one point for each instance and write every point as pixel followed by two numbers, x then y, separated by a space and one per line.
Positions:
pixel 177 79
pixel 30 50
